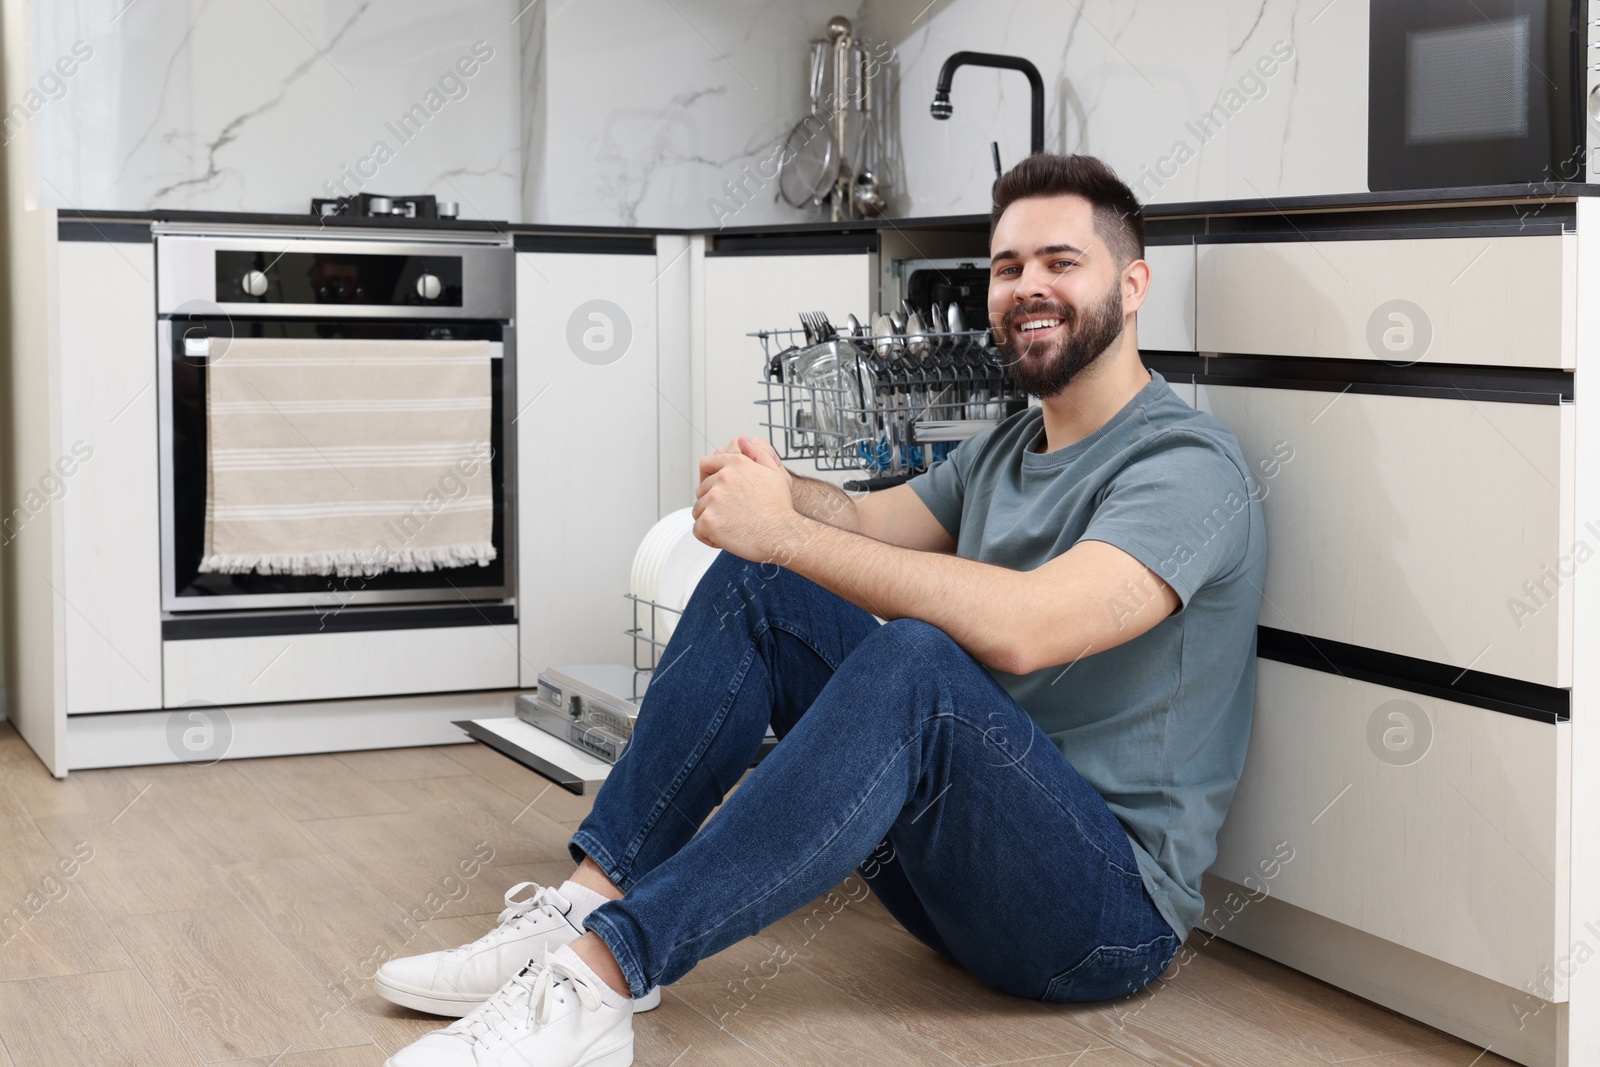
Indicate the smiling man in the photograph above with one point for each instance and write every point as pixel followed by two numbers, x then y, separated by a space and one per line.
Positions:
pixel 1027 764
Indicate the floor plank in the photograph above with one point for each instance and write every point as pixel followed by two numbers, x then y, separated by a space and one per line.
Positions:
pixel 232 987
pixel 110 1017
pixel 1094 1057
pixel 676 1035
pixel 1450 1054
pixel 316 787
pixel 799 1020
pixel 913 986
pixel 103 793
pixel 342 929
pixel 1315 1017
pixel 1167 1028
pixel 418 859
pixel 48 926
pixel 334 922
pixel 402 764
pixel 354 1056
pixel 208 805
pixel 140 864
pixel 479 810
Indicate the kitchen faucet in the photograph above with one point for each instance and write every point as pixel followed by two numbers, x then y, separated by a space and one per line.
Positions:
pixel 941 95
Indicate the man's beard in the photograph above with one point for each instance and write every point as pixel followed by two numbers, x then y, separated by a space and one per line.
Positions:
pixel 1046 368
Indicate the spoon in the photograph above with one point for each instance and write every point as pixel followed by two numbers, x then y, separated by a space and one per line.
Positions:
pixel 883 329
pixel 916 339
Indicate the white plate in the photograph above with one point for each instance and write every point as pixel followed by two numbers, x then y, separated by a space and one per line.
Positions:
pixel 647 562
pixel 665 534
pixel 647 546
pixel 682 569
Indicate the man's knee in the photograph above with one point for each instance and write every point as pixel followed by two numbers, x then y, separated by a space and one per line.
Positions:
pixel 914 637
pixel 911 659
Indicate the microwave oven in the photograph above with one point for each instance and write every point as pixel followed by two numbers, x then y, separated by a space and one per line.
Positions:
pixel 1480 92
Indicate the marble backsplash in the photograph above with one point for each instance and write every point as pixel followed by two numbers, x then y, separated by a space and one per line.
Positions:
pixel 635 112
pixel 1208 100
pixel 232 105
pixel 652 108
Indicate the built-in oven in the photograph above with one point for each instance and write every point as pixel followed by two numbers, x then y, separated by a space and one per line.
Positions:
pixel 215 288
pixel 1480 92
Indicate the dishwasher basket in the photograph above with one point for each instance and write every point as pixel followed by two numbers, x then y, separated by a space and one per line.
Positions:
pixel 890 405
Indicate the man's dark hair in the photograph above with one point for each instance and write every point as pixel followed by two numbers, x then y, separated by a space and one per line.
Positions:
pixel 1118 219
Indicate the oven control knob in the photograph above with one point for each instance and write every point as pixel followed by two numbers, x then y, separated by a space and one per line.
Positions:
pixel 254 283
pixel 429 287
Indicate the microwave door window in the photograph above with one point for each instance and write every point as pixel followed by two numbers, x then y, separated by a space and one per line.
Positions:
pixel 1468 83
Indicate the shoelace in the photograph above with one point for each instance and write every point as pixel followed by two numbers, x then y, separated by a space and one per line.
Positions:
pixel 531 994
pixel 543 898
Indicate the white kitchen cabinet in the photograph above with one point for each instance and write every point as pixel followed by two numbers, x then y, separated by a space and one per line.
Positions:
pixel 105 477
pixel 740 294
pixel 1411 524
pixel 1166 321
pixel 1455 842
pixel 332 666
pixel 1495 301
pixel 587 485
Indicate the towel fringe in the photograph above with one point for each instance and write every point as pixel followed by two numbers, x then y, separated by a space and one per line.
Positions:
pixel 348 563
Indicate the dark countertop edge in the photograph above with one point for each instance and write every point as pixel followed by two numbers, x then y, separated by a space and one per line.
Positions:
pixel 1478 194
pixel 336 222
pixel 1523 192
pixel 1466 195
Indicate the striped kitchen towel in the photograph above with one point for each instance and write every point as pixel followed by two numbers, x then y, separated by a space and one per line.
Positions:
pixel 348 457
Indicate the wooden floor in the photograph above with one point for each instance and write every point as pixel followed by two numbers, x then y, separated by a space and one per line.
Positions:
pixel 235 914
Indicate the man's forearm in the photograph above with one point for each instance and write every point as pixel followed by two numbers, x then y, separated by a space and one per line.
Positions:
pixel 980 606
pixel 824 502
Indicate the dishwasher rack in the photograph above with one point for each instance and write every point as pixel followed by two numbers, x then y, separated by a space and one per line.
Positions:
pixel 891 405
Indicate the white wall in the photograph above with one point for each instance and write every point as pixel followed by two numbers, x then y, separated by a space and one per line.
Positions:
pixel 652 107
pixel 1121 81
pixel 244 106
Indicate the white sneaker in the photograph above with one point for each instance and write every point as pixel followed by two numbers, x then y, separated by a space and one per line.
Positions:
pixel 455 981
pixel 553 1013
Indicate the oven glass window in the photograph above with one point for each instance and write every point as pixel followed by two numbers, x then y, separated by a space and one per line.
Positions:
pixel 1468 83
pixel 196 590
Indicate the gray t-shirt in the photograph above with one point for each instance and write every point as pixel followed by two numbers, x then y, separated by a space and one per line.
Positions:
pixel 1158 725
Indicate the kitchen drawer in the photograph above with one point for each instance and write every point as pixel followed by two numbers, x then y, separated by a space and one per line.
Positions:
pixel 1166 321
pixel 328 666
pixel 1454 843
pixel 1410 524
pixel 1498 301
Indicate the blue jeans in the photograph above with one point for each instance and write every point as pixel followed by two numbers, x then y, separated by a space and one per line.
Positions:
pixel 899 757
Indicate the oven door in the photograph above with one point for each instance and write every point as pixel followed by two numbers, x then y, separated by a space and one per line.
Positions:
pixel 1486 92
pixel 185 589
